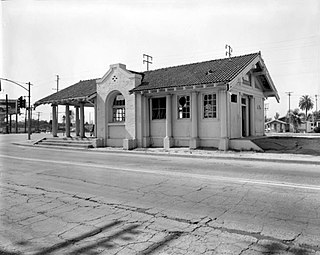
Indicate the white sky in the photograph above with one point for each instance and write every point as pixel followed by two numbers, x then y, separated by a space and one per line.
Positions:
pixel 80 39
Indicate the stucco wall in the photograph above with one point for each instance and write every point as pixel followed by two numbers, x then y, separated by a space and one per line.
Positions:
pixel 209 130
pixel 259 113
pixel 116 80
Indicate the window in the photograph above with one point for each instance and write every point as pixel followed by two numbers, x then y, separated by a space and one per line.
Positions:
pixel 119 110
pixel 209 106
pixel 183 107
pixel 234 98
pixel 158 108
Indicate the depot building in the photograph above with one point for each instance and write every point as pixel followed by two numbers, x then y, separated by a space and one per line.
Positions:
pixel 214 103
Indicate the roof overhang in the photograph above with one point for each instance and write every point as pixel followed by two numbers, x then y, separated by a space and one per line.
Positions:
pixel 180 88
pixel 269 89
pixel 87 100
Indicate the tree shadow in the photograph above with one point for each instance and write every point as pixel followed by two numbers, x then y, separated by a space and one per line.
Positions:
pixel 77 239
pixel 276 248
pixel 123 233
pixel 2 252
pixel 156 246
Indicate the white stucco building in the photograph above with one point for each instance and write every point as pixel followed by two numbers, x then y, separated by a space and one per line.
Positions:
pixel 206 104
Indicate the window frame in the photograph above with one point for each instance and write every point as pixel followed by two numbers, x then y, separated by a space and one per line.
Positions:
pixel 214 101
pixel 118 109
pixel 184 110
pixel 160 109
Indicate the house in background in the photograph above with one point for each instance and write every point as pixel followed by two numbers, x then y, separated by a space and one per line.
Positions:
pixel 206 104
pixel 277 126
pixel 306 127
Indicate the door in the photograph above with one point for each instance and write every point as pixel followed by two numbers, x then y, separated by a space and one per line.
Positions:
pixel 244 116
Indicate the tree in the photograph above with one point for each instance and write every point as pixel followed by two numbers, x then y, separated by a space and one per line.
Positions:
pixel 316 115
pixel 305 103
pixel 295 118
pixel 276 116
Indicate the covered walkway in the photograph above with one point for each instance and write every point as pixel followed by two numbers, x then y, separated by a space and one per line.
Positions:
pixel 78 96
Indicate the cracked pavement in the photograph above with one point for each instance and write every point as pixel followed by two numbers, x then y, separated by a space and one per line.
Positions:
pixel 154 205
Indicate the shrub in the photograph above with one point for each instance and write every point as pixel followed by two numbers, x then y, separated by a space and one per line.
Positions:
pixel 317 130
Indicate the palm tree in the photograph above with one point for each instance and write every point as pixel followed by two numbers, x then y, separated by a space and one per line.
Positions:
pixel 305 103
pixel 295 118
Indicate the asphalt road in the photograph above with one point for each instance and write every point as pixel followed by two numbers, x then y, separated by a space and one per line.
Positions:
pixel 57 201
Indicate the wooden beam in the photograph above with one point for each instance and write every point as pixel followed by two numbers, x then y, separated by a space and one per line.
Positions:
pixel 263 72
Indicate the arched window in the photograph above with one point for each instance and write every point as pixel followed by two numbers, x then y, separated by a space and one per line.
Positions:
pixel 118 108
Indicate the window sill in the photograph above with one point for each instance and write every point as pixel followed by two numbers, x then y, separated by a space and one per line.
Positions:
pixel 116 123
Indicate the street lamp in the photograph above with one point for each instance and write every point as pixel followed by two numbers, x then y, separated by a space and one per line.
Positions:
pixel 29 108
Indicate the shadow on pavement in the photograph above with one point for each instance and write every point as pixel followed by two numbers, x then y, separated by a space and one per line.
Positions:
pixel 120 236
pixel 156 246
pixel 77 239
pixel 278 248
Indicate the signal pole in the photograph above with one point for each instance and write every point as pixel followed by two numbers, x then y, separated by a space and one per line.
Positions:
pixel 29 96
pixel 147 61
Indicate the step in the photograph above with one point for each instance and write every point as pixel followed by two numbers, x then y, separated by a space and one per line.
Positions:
pixel 55 146
pixel 67 141
pixel 67 144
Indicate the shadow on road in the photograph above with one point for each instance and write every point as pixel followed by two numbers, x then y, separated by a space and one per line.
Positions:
pixel 278 248
pixel 120 235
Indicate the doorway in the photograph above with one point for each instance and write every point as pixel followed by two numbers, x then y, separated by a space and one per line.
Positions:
pixel 244 117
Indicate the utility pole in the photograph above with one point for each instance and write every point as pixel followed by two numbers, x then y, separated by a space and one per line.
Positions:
pixel 289 118
pixel 316 96
pixel 29 112
pixel 57 89
pixel 7 115
pixel 228 50
pixel 289 94
pixel 58 78
pixel 147 60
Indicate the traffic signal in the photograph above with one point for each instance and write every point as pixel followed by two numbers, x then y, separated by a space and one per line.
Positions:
pixel 19 102
pixel 23 103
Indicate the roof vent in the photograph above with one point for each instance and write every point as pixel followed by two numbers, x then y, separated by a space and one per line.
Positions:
pixel 209 72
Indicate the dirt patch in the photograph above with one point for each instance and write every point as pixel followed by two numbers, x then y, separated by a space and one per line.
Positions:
pixel 295 145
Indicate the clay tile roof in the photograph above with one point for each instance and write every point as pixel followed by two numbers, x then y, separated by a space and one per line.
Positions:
pixel 213 71
pixel 80 90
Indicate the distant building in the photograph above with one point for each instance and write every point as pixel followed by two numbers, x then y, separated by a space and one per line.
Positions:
pixel 206 104
pixel 307 127
pixel 277 126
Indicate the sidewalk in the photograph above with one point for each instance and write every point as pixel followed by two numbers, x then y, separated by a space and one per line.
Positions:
pixel 198 153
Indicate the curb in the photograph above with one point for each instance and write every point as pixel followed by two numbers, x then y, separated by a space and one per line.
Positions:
pixel 162 154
